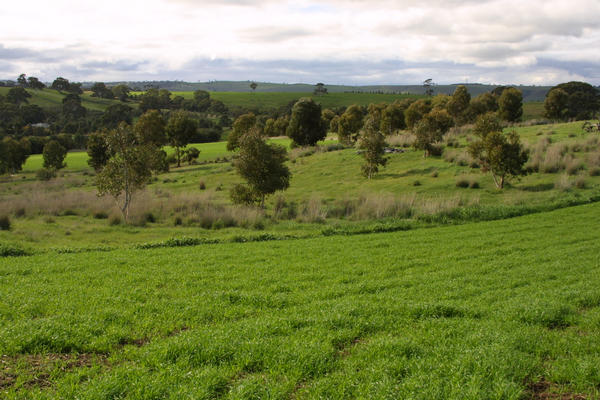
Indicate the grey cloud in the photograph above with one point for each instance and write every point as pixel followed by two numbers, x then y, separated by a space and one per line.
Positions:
pixel 273 34
pixel 122 65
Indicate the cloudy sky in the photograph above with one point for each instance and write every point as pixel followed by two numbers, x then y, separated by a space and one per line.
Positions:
pixel 333 41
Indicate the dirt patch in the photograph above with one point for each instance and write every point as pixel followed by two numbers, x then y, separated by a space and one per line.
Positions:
pixel 346 350
pixel 37 369
pixel 544 390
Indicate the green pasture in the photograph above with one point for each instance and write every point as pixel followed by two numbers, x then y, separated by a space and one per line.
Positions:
pixel 497 310
pixel 49 98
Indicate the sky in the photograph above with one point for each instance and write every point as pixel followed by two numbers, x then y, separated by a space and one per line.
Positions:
pixel 353 42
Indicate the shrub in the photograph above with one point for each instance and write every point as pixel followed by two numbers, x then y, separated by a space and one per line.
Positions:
pixel 149 217
pixel 436 150
pixel 11 251
pixel 202 185
pixel 474 185
pixel 572 165
pixel 435 174
pixel 580 183
pixel 4 223
pixel 563 183
pixel 595 171
pixel 416 183
pixel 462 183
pixel 177 221
pixel 242 194
pixel 45 174
pixel 20 212
pixel 114 219
pixel 553 161
pixel 100 215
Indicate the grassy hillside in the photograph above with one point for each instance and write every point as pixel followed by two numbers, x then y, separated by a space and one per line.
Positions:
pixel 326 192
pixel 497 310
pixel 49 98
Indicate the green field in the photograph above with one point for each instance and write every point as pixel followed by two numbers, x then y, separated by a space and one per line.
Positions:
pixel 478 311
pixel 49 98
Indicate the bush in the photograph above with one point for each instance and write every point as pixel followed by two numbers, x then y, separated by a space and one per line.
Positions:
pixel 20 212
pixel 436 150
pixel 580 183
pixel 462 183
pixel 11 251
pixel 4 223
pixel 243 194
pixel 149 217
pixel 417 183
pixel 202 185
pixel 474 185
pixel 177 221
pixel 100 215
pixel 45 174
pixel 595 171
pixel 114 220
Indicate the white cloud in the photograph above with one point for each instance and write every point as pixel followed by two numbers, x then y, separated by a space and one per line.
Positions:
pixel 492 40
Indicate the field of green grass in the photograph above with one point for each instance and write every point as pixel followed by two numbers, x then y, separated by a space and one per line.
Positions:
pixel 496 310
pixel 49 98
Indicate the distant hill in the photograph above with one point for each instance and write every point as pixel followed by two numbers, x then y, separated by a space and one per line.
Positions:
pixel 530 93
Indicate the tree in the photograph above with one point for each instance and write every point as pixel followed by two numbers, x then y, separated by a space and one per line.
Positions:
pixel 416 111
pixel 372 142
pixel 583 100
pixel 32 114
pixel 327 115
pixel 428 85
pixel 72 108
pixel 320 89
pixel 556 104
pixel 61 84
pixel 458 104
pixel 484 103
pixel 97 150
pixel 306 127
pixel 13 155
pixel 392 119
pixel 180 130
pixel 115 114
pixel 150 128
pixel 502 155
pixel 191 155
pixel 121 92
pixel 54 155
pixel 510 105
pixel 34 83
pixel 155 99
pixel 262 165
pixel 431 129
pixel 128 169
pixel 253 86
pixel 349 124
pixel 241 126
pixel 99 89
pixel 487 123
pixel 17 95
pixel 22 81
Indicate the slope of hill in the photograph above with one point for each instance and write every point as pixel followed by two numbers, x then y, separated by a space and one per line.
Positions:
pixel 49 98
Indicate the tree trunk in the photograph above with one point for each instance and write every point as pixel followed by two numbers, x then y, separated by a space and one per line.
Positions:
pixel 178 154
